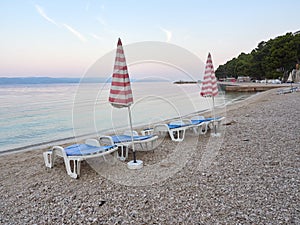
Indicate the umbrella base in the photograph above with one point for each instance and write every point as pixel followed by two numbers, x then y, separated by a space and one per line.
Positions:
pixel 135 165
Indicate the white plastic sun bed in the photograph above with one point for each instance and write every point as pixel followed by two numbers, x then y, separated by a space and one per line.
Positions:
pixel 146 142
pixel 176 129
pixel 76 153
pixel 202 124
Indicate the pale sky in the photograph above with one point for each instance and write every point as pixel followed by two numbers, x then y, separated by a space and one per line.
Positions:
pixel 64 38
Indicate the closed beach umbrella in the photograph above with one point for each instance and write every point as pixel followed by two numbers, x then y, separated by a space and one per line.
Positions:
pixel 120 92
pixel 290 79
pixel 209 84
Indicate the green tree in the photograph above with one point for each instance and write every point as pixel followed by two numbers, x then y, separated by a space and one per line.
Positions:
pixel 271 59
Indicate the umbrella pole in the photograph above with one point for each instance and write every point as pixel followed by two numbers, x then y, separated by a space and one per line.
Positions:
pixel 131 129
pixel 214 115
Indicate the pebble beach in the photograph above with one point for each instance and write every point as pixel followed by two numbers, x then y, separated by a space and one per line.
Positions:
pixel 248 175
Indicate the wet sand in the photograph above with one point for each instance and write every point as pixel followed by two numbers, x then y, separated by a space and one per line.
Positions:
pixel 249 175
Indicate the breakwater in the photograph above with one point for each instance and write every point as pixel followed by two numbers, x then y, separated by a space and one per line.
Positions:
pixel 249 87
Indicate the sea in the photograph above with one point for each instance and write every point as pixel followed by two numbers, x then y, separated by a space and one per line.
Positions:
pixel 35 116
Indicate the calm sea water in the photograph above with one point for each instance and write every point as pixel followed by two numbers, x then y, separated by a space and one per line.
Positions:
pixel 36 115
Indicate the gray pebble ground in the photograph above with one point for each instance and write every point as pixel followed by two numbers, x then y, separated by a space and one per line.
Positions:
pixel 249 175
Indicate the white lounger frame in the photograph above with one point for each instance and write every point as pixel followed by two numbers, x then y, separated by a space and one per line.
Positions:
pixel 146 144
pixel 203 127
pixel 73 171
pixel 217 123
pixel 176 134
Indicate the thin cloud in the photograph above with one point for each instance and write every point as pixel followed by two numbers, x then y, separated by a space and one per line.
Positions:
pixel 44 15
pixel 96 36
pixel 75 32
pixel 167 33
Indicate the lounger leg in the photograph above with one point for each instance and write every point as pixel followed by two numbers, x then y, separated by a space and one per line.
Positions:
pixel 181 135
pixel 78 162
pixel 115 157
pixel 76 167
pixel 152 145
pixel 219 124
pixel 177 135
pixel 49 158
pixel 122 153
pixel 127 149
pixel 172 135
pixel 203 130
pixel 142 147
pixel 215 126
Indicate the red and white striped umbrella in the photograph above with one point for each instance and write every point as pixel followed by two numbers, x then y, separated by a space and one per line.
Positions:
pixel 209 84
pixel 120 91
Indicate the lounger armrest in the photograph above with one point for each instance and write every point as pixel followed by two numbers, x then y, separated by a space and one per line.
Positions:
pixel 128 132
pixel 92 142
pixel 148 131
pixel 198 118
pixel 160 128
pixel 182 122
pixel 177 122
pixel 59 149
pixel 187 121
pixel 220 119
pixel 106 140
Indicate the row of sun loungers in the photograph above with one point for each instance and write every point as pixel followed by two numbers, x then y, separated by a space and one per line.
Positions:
pixel 177 129
pixel 288 90
pixel 74 154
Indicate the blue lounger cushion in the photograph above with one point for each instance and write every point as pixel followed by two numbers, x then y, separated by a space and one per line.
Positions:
pixel 84 149
pixel 173 126
pixel 204 120
pixel 127 138
pixel 200 121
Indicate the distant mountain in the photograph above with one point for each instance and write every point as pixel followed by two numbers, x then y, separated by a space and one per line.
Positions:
pixel 36 80
pixel 47 80
pixel 51 80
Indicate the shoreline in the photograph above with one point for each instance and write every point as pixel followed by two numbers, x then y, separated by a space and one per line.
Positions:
pixel 252 178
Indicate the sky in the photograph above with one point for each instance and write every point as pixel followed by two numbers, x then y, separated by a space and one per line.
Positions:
pixel 64 38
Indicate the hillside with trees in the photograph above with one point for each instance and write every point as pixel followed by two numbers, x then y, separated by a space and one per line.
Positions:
pixel 270 60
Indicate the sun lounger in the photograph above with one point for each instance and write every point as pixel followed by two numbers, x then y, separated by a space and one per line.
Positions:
pixel 202 124
pixel 147 131
pixel 288 90
pixel 146 142
pixel 176 129
pixel 76 153
pixel 284 91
